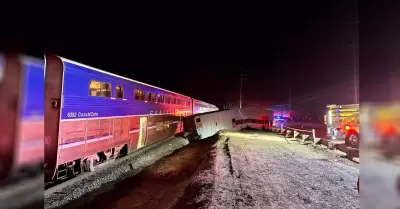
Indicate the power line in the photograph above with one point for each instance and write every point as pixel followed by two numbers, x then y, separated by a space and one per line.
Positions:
pixel 322 91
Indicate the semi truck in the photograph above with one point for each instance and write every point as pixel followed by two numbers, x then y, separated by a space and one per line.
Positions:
pixel 343 122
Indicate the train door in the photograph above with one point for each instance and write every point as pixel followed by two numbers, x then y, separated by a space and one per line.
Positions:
pixel 125 129
pixel 117 133
pixel 54 72
pixel 142 132
pixel 10 80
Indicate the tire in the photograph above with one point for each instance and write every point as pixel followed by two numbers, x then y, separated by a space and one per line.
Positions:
pixel 353 140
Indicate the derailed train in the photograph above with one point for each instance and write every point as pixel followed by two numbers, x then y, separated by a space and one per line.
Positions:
pixel 84 116
pixel 93 116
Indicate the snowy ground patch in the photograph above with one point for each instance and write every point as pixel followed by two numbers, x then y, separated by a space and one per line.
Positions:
pixel 264 171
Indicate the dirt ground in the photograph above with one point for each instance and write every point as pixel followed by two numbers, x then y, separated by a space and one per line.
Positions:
pixel 165 184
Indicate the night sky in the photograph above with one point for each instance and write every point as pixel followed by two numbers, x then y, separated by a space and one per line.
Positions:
pixel 299 45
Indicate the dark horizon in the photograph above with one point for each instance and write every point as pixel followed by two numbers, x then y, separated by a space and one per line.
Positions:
pixel 302 46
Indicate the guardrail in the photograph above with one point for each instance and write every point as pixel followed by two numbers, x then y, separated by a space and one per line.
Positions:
pixel 302 134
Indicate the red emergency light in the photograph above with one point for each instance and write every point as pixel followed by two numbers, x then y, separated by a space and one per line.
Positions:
pixel 386 128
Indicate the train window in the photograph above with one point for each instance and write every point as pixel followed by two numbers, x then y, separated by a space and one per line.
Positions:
pixel 139 95
pixel 167 100
pixel 178 101
pixel 99 89
pixel 188 103
pixel 198 120
pixel 162 99
pixel 94 88
pixel 143 96
pixel 105 90
pixel 153 98
pixel 159 126
pixel 149 96
pixel 173 100
pixel 159 98
pixel 166 124
pixel 119 92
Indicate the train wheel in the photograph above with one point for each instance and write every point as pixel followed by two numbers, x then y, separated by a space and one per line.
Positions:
pixel 76 169
pixel 89 165
pixel 123 152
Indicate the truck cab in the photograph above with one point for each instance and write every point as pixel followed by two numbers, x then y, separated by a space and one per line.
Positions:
pixel 343 122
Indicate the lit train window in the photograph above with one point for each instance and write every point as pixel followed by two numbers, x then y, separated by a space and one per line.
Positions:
pixel 105 90
pixel 99 89
pixel 94 89
pixel 139 95
pixel 153 98
pixel 119 91
pixel 159 98
pixel 159 126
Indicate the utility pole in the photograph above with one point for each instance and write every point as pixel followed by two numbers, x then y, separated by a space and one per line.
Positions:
pixel 355 51
pixel 290 93
pixel 290 98
pixel 355 61
pixel 242 78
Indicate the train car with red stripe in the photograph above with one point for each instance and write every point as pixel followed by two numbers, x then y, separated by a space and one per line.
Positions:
pixel 93 116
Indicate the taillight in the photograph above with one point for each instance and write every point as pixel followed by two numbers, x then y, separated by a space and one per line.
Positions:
pixel 347 128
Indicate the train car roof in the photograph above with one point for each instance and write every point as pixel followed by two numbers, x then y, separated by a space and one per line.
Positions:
pixel 202 101
pixel 112 74
pixel 32 60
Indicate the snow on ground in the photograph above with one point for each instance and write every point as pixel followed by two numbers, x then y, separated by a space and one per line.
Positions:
pixel 264 171
pixel 103 180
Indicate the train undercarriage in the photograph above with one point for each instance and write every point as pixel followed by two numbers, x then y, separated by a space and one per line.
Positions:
pixel 89 163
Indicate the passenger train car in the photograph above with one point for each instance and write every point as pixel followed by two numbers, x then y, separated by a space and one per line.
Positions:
pixel 22 115
pixel 93 116
pixel 203 107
